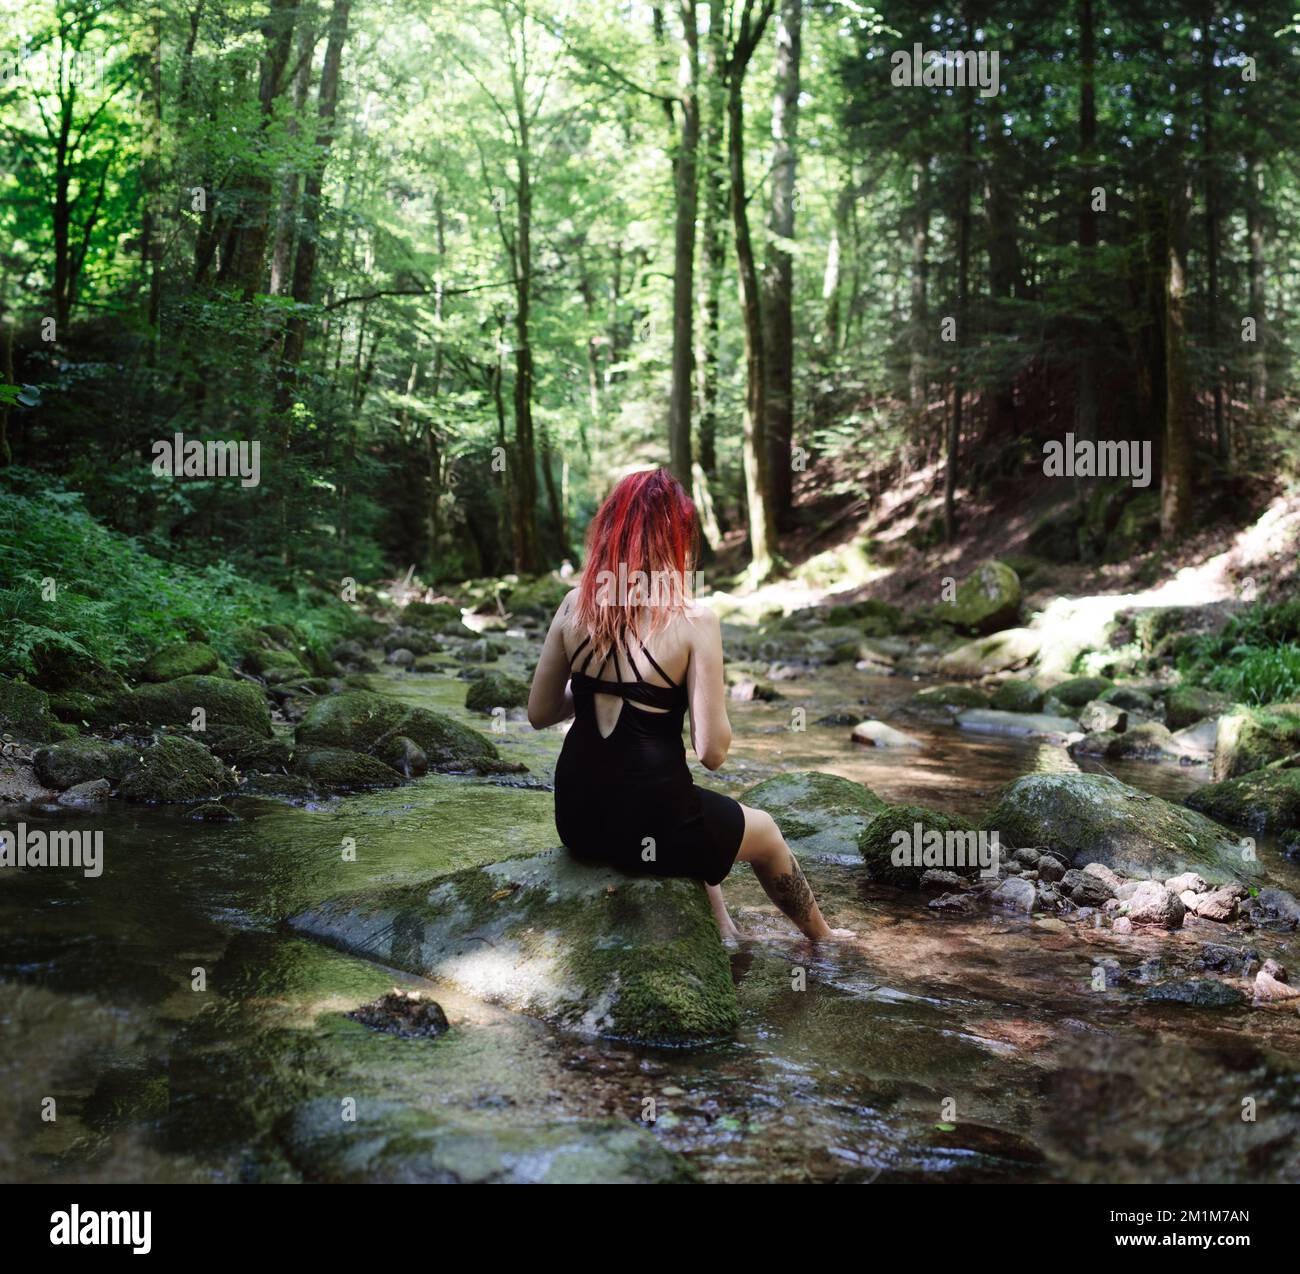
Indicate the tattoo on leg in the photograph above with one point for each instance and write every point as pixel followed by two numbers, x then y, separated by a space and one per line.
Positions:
pixel 791 893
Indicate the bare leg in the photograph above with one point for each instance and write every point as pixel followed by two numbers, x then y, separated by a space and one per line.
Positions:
pixel 726 926
pixel 778 871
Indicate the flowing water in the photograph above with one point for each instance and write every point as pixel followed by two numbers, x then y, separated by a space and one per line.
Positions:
pixel 174 1021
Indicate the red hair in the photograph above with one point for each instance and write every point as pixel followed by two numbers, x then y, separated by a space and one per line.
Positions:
pixel 641 551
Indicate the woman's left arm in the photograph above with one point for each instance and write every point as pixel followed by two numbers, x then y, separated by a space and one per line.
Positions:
pixel 550 701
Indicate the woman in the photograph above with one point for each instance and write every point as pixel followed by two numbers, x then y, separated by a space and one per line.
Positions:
pixel 626 655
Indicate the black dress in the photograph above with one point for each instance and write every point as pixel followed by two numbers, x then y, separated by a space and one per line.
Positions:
pixel 628 799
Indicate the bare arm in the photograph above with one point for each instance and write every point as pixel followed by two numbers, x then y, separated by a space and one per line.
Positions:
pixel 706 690
pixel 550 701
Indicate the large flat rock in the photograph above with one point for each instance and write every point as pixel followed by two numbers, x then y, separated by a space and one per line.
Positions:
pixel 587 948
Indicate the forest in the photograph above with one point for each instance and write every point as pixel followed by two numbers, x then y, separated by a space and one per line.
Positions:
pixel 326 326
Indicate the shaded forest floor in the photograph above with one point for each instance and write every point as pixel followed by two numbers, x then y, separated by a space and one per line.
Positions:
pixel 880 536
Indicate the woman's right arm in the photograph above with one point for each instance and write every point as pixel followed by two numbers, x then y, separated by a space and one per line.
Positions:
pixel 706 689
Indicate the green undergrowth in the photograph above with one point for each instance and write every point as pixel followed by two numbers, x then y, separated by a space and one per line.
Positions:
pixel 73 590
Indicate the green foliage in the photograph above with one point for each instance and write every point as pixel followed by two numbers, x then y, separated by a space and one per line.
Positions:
pixel 74 587
pixel 1255 658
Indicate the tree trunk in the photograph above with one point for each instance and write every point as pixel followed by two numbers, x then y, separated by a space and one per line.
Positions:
pixel 778 277
pixel 304 266
pixel 713 232
pixel 1255 246
pixel 963 279
pixel 916 381
pixel 286 220
pixel 685 193
pixel 1176 468
pixel 1221 448
pixel 757 489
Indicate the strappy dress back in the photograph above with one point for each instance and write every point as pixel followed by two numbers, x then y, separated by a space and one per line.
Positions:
pixel 626 798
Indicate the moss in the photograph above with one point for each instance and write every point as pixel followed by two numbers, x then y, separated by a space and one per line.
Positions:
pixel 74 761
pixel 25 712
pixel 1080 690
pixel 495 690
pixel 878 843
pixel 1131 699
pixel 1137 529
pixel 246 751
pixel 987 600
pixel 225 703
pixel 1251 738
pixel 338 770
pixel 127 1095
pixel 585 947
pixel 1186 705
pixel 1262 801
pixel 821 813
pixel 430 614
pixel 359 719
pixel 176 770
pixel 871 617
pixel 1094 818
pixel 950 699
pixel 1018 696
pixel 184 659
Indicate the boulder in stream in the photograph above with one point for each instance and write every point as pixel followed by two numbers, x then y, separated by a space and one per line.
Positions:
pixel 1251 738
pixel 224 703
pixel 876 734
pixel 819 814
pixel 1094 818
pixel 82 760
pixel 362 721
pixel 25 713
pixel 1261 801
pixel 491 690
pixel 903 842
pixel 339 770
pixel 181 659
pixel 988 599
pixel 175 770
pixel 583 947
pixel 1011 648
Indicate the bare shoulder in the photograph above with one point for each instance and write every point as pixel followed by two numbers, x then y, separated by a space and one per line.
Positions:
pixel 700 623
pixel 564 612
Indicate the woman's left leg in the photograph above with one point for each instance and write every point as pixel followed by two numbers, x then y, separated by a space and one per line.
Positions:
pixel 726 926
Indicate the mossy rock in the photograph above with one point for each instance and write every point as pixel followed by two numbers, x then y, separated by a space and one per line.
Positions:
pixel 495 690
pixel 225 703
pixel 820 814
pixel 338 770
pixel 429 614
pixel 1261 801
pixel 1251 738
pixel 25 713
pixel 987 600
pixel 248 752
pixel 183 659
pixel 63 765
pixel 359 720
pixel 871 617
pixel 999 652
pixel 1186 705
pixel 1081 690
pixel 881 845
pixel 580 946
pixel 947 700
pixel 1137 529
pixel 59 668
pixel 176 770
pixel 1131 699
pixel 127 1095
pixel 1094 818
pixel 77 707
pixel 538 597
pixel 390 1143
pixel 1018 696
